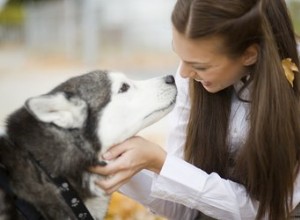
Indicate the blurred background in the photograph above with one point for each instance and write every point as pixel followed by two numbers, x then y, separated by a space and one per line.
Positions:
pixel 44 42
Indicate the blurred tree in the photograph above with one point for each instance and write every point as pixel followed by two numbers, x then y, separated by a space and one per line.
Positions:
pixel 24 1
pixel 12 14
pixel 294 8
pixel 13 11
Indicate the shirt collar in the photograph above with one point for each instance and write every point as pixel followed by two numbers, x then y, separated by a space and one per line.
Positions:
pixel 245 93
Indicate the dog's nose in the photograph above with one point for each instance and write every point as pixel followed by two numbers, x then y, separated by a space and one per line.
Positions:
pixel 169 79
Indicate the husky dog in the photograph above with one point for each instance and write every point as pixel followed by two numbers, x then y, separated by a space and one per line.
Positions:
pixel 65 131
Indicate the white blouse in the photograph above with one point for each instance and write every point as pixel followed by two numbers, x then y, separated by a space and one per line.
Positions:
pixel 181 188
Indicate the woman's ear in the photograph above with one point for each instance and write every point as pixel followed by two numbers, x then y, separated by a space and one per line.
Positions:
pixel 250 55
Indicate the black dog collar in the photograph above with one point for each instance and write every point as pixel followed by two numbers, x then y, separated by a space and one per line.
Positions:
pixel 26 210
pixel 68 193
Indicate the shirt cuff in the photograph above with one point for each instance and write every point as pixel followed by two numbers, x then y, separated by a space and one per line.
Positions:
pixel 175 178
pixel 139 187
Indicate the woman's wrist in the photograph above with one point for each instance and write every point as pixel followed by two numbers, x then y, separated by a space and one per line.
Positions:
pixel 158 160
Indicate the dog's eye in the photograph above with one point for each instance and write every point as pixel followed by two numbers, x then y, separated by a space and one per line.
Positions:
pixel 124 88
pixel 69 95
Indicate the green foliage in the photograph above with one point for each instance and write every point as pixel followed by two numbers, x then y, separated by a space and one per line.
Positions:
pixel 13 2
pixel 294 8
pixel 12 14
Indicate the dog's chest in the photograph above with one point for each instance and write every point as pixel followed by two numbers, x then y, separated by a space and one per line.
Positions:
pixel 98 206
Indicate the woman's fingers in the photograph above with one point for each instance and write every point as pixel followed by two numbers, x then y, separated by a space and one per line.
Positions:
pixel 113 183
pixel 109 169
pixel 102 170
pixel 115 151
pixel 110 188
pixel 125 160
pixel 113 167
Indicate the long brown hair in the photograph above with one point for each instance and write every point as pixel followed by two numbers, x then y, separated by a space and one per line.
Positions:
pixel 267 163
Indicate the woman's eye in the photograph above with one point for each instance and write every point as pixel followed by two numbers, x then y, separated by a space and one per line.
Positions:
pixel 200 68
pixel 124 88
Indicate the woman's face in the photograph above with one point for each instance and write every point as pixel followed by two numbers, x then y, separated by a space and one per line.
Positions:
pixel 202 60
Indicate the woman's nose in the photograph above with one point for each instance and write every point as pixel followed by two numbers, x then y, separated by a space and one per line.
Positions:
pixel 185 71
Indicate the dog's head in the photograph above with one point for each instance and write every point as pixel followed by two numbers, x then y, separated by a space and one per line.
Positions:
pixel 105 104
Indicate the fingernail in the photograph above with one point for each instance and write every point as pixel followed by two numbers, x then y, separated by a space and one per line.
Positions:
pixel 101 163
pixel 107 155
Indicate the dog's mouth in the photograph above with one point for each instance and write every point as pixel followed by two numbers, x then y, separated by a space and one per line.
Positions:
pixel 162 109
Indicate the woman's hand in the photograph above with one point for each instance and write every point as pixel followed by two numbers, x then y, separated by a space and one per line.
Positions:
pixel 126 159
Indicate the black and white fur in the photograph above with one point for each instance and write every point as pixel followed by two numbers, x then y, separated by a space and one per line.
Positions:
pixel 67 129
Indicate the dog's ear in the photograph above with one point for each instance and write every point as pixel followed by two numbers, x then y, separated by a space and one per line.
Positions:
pixel 59 110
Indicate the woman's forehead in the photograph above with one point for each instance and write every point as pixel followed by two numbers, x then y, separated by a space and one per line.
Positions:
pixel 196 50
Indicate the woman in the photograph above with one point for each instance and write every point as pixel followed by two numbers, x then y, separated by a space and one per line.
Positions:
pixel 233 152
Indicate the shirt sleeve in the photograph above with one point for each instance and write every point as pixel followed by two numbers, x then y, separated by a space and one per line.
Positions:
pixel 210 194
pixel 139 189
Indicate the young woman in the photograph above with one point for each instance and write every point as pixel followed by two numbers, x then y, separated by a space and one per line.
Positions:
pixel 233 152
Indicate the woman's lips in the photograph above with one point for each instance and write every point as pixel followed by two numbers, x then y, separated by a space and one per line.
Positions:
pixel 204 83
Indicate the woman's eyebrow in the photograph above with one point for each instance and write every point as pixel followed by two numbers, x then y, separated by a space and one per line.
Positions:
pixel 195 63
